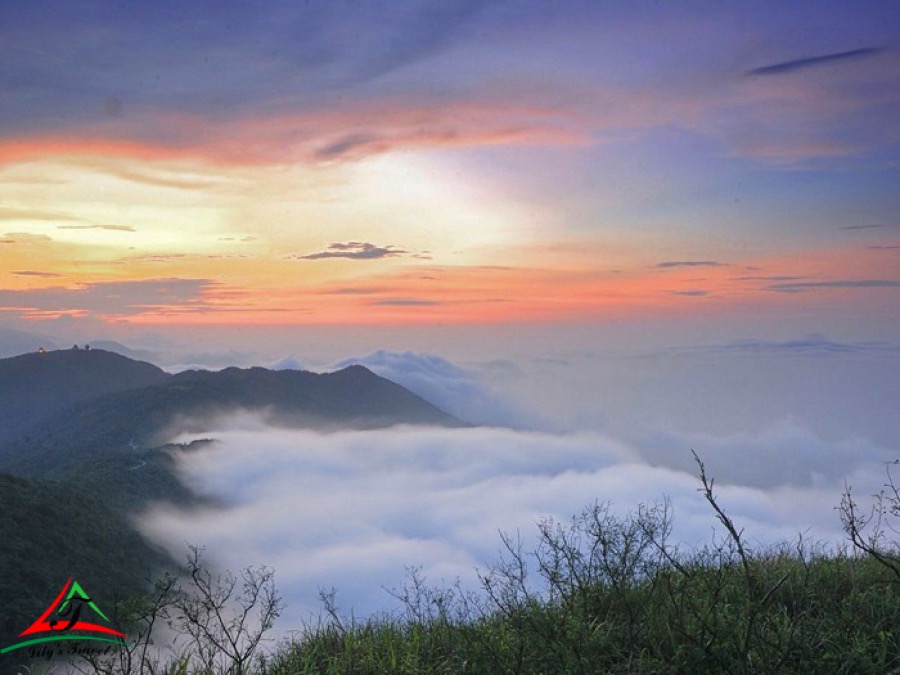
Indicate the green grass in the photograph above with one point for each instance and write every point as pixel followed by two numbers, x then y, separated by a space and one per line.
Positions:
pixel 801 614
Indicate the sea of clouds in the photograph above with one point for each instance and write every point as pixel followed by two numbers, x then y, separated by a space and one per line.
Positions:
pixel 355 510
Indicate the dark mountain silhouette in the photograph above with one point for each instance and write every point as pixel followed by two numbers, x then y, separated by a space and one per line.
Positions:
pixel 36 386
pixel 133 419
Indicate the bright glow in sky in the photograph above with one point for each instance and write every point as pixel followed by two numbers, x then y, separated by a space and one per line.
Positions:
pixel 324 163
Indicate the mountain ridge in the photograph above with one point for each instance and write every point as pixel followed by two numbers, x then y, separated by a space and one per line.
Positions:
pixel 147 407
pixel 37 385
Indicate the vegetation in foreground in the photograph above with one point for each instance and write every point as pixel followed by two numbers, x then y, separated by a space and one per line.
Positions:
pixel 601 594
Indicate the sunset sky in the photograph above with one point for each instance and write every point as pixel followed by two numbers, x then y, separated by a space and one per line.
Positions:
pixel 609 233
pixel 425 163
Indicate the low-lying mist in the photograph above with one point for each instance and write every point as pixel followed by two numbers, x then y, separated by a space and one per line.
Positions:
pixel 353 510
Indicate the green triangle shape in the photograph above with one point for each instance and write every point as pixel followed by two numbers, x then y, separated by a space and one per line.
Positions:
pixel 77 589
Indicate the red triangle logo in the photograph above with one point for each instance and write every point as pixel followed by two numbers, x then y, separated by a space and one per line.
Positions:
pixel 69 604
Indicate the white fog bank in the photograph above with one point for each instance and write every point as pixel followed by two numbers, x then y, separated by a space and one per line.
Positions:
pixel 353 510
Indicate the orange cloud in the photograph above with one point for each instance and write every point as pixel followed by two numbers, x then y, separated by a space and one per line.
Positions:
pixel 419 293
pixel 312 136
pixel 21 150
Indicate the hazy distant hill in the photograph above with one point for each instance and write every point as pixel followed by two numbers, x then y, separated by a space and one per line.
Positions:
pixel 119 348
pixel 36 386
pixel 132 417
pixel 14 341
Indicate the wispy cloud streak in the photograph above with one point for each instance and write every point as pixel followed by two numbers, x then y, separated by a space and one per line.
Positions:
pixel 802 287
pixel 812 61
pixel 690 263
pixel 113 228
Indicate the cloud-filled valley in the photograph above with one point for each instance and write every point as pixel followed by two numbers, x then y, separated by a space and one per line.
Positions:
pixel 354 510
